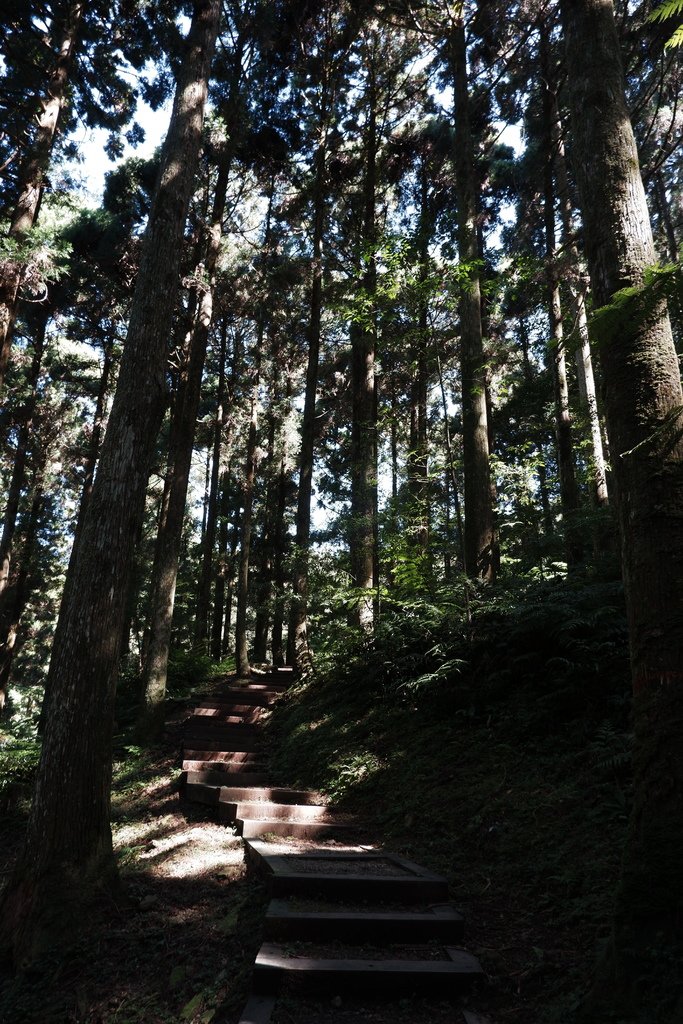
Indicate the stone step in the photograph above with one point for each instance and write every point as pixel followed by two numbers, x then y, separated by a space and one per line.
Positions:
pixel 275 795
pixel 442 923
pixel 263 809
pixel 447 977
pixel 252 828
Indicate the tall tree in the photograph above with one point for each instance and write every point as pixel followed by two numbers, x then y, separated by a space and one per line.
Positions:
pixel 362 528
pixel 68 849
pixel 32 175
pixel 644 408
pixel 479 524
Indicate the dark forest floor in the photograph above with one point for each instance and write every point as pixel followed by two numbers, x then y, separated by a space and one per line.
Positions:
pixel 524 815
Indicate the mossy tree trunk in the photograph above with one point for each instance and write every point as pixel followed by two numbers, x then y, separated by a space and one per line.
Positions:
pixel 68 853
pixel 644 404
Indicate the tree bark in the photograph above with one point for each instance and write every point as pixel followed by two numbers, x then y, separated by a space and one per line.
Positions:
pixel 577 291
pixel 479 524
pixel 241 647
pixel 643 401
pixel 362 529
pixel 18 478
pixel 569 494
pixel 298 653
pixel 33 173
pixel 181 447
pixel 209 538
pixel 418 461
pixel 69 849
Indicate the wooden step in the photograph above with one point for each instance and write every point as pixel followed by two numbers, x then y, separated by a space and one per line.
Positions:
pixel 276 795
pixel 448 977
pixel 261 697
pixel 379 878
pixel 201 726
pixel 237 761
pixel 442 923
pixel 225 745
pixel 213 778
pixel 230 717
pixel 262 809
pixel 246 779
pixel 259 1010
pixel 205 753
pixel 201 793
pixel 252 828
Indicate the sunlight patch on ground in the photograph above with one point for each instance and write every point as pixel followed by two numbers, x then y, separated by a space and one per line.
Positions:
pixel 196 851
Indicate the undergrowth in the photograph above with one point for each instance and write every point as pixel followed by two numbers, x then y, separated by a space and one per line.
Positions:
pixel 495 750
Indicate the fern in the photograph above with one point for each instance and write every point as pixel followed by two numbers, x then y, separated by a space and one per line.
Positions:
pixel 665 11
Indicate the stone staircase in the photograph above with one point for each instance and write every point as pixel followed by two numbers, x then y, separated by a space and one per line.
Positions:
pixel 345 921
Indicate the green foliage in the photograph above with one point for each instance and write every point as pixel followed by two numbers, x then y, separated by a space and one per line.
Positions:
pixel 18 765
pixel 630 306
pixel 665 11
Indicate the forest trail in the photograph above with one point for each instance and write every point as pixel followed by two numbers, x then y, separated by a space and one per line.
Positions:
pixel 352 931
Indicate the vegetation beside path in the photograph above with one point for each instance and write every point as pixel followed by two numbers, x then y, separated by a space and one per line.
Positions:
pixel 496 752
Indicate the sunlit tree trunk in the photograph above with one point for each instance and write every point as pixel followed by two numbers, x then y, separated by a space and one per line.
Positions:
pixel 68 851
pixel 479 523
pixel 32 174
pixel 644 403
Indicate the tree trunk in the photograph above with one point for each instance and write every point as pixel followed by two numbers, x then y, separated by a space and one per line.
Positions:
pixel 33 173
pixel 241 648
pixel 665 219
pixel 362 529
pixel 569 495
pixel 479 525
pixel 577 291
pixel 217 623
pixel 209 538
pixel 181 447
pixel 18 477
pixel 18 593
pixel 69 849
pixel 298 653
pixel 643 407
pixel 450 464
pixel 418 463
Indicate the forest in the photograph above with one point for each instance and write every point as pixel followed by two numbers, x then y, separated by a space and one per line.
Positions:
pixel 369 368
